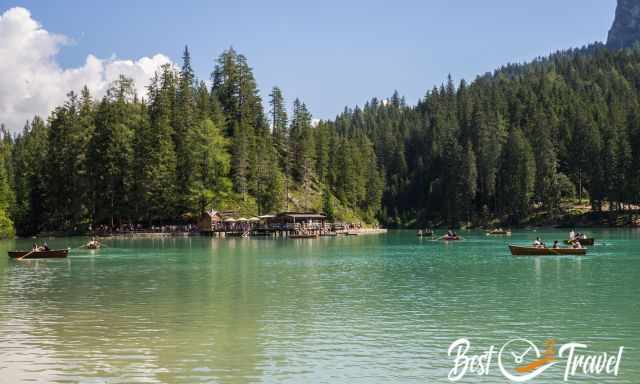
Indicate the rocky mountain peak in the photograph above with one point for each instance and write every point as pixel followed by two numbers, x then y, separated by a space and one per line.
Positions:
pixel 626 26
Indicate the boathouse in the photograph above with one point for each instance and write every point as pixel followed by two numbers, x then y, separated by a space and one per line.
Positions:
pixel 290 221
pixel 210 221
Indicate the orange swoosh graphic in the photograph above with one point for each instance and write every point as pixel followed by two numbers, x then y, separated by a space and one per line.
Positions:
pixel 535 365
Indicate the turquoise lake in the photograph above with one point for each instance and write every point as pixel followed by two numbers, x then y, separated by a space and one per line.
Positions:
pixel 367 309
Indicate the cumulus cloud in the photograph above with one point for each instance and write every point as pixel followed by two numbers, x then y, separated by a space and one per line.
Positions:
pixel 32 83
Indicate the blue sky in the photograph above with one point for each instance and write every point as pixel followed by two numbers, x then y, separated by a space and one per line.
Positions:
pixel 331 54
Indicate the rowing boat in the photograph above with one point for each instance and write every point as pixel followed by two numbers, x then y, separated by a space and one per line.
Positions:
pixel 499 232
pixel 451 238
pixel 588 241
pixel 304 236
pixel 50 254
pixel 532 251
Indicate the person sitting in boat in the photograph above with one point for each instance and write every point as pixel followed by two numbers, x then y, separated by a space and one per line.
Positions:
pixel 538 243
pixel 583 236
pixel 45 246
pixel 577 245
pixel 572 235
pixel 34 247
pixel 555 244
pixel 450 233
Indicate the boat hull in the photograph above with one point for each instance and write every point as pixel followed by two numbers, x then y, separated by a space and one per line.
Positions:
pixel 454 238
pixel 303 236
pixel 590 241
pixel 499 233
pixel 51 254
pixel 531 251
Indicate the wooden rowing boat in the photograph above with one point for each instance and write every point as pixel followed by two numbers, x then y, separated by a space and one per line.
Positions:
pixel 50 254
pixel 93 245
pixel 237 234
pixel 451 238
pixel 497 232
pixel 588 241
pixel 532 251
pixel 304 236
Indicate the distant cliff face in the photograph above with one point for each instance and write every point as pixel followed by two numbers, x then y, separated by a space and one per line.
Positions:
pixel 626 26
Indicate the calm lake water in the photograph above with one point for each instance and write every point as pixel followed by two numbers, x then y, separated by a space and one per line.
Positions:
pixel 368 309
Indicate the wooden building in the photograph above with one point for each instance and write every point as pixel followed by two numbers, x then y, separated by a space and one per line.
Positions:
pixel 209 222
pixel 282 224
pixel 298 222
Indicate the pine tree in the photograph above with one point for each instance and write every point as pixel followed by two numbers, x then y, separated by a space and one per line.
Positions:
pixel 110 154
pixel 279 125
pixel 211 165
pixel 155 153
pixel 468 180
pixel 327 204
pixel 517 176
pixel 184 123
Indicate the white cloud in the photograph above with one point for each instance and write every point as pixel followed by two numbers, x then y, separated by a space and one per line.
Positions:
pixel 31 82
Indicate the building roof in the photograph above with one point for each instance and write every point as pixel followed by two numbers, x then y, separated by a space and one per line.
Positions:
pixel 303 215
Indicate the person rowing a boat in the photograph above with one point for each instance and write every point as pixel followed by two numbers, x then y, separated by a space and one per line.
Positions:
pixel 555 244
pixel 577 245
pixel 572 235
pixel 537 243
pixel 93 244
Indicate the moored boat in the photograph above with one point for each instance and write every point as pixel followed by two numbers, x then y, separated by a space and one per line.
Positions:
pixel 534 251
pixel 50 254
pixel 304 236
pixel 587 241
pixel 237 234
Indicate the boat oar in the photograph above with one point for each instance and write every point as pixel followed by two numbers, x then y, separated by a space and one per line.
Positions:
pixel 27 254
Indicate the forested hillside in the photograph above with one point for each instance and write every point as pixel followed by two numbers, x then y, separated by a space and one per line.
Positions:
pixel 184 147
pixel 523 137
